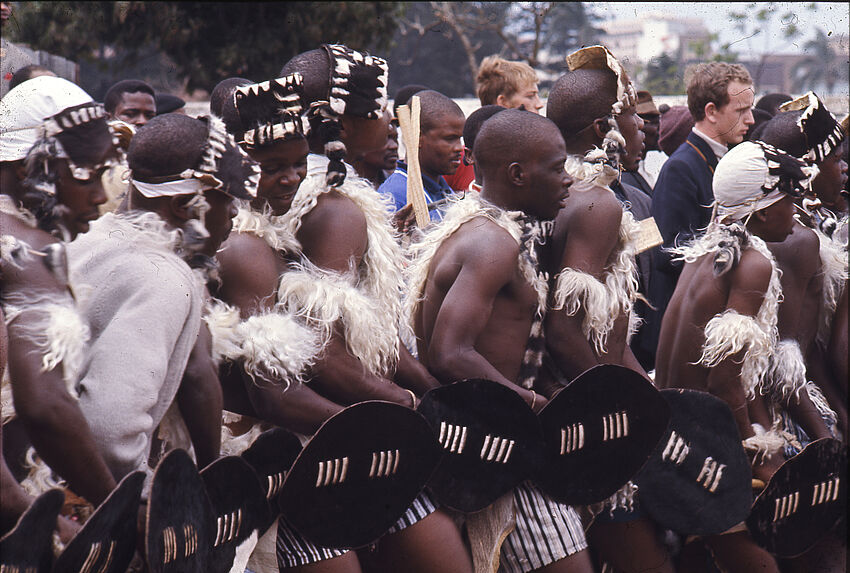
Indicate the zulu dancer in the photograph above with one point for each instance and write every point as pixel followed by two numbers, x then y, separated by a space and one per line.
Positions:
pixel 478 297
pixel 143 302
pixel 593 261
pixel 348 283
pixel 593 241
pixel 719 330
pixel 55 146
pixel 813 260
pixel 265 351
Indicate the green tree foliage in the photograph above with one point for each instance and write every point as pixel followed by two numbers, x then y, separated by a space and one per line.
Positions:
pixel 206 41
pixel 822 65
pixel 663 76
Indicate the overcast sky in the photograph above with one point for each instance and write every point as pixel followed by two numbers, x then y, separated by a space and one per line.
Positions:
pixel 829 16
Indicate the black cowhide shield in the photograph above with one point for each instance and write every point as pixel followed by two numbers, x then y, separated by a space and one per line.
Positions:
pixel 598 432
pixel 239 502
pixel 29 546
pixel 271 455
pixel 491 442
pixel 180 519
pixel 107 541
pixel 698 480
pixel 803 500
pixel 358 474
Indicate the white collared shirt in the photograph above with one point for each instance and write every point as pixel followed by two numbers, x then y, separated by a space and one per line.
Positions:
pixel 718 148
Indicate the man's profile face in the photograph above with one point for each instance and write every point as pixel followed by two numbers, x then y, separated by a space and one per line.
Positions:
pixel 361 135
pixel 651 124
pixel 283 166
pixel 527 97
pixel 779 219
pixel 136 108
pixel 81 197
pixel 832 176
pixel 732 120
pixel 218 219
pixel 631 126
pixel 440 147
pixel 549 182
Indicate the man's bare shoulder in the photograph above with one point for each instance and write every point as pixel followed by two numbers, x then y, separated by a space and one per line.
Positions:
pixel 752 273
pixel 334 208
pixel 484 241
pixel 590 207
pixel 34 237
pixel 799 252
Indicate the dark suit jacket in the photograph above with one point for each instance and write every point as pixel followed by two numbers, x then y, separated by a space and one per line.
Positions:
pixel 639 204
pixel 637 181
pixel 681 205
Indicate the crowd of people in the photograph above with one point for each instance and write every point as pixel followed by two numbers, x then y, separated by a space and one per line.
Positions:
pixel 178 283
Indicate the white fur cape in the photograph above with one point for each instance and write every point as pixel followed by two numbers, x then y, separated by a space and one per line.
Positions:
pixel 365 301
pixel 833 259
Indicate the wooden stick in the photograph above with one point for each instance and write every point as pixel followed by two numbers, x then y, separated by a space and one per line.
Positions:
pixel 408 119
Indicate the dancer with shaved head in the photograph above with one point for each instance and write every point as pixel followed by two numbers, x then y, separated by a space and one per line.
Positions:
pixel 479 298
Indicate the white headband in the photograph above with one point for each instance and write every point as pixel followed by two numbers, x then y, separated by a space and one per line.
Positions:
pixel 170 188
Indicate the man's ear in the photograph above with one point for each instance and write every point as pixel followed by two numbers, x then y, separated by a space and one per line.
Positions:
pixel 516 174
pixel 467 156
pixel 710 110
pixel 760 216
pixel 501 100
pixel 179 206
pixel 601 127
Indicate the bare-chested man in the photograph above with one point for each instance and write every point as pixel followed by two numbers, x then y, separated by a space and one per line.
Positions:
pixel 478 294
pixel 592 259
pixel 719 330
pixel 55 146
pixel 812 259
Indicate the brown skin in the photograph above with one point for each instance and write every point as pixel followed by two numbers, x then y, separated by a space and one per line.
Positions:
pixel 372 165
pixel 831 179
pixel 798 258
pixel 477 310
pixel 585 238
pixel 249 271
pixel 135 108
pixel 52 418
pixel 440 147
pixel 651 125
pixel 837 351
pixel 698 297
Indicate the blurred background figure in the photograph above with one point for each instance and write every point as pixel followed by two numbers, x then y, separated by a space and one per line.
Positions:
pixel 167 103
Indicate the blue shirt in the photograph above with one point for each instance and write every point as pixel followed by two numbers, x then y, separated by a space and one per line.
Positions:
pixel 396 186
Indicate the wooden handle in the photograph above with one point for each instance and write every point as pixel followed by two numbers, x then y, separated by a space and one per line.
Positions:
pixel 408 119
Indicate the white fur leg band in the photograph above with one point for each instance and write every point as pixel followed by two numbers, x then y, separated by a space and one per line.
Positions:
pixel 728 334
pixel 576 291
pixel 277 348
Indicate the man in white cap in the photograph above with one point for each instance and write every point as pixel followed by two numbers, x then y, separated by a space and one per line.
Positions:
pixel 54 146
pixel 719 331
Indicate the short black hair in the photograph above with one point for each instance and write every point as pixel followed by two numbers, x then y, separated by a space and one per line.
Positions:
pixel 512 135
pixel 224 91
pixel 474 122
pixel 771 102
pixel 26 73
pixel 580 97
pixel 404 93
pixel 116 92
pixel 315 69
pixel 435 106
pixel 783 132
pixel 166 145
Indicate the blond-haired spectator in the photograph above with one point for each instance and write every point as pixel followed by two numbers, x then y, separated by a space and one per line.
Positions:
pixel 508 84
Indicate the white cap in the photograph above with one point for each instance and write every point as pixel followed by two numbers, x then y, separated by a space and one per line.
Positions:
pixel 743 182
pixel 24 110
